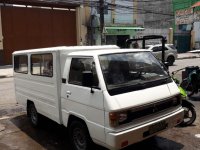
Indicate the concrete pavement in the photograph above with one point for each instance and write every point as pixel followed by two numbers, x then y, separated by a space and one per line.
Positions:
pixel 188 55
pixel 6 71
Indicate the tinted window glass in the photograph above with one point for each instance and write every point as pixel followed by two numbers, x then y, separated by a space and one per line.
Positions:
pixel 78 67
pixel 42 65
pixel 172 47
pixel 21 64
pixel 158 49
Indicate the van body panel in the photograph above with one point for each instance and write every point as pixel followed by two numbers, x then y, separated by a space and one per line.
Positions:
pixel 138 98
pixel 43 91
pixel 79 101
pixel 87 106
pixel 173 88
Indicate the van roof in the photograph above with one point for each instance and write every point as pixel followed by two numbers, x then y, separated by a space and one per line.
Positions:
pixel 67 48
pixel 104 52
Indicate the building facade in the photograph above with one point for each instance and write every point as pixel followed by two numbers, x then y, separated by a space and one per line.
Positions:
pixel 186 25
pixel 34 24
pixel 120 22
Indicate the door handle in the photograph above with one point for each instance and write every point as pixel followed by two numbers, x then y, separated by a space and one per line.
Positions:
pixel 68 93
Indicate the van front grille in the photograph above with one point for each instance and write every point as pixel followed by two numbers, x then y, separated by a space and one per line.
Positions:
pixel 152 109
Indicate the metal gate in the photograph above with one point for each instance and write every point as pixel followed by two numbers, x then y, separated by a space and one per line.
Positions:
pixel 27 28
pixel 182 41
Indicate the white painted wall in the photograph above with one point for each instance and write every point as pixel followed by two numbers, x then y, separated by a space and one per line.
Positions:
pixel 197 31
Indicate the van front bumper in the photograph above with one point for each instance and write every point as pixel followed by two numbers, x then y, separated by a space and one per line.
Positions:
pixel 124 138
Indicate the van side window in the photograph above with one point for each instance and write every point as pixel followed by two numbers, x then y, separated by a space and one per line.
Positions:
pixel 21 64
pixel 42 65
pixel 78 66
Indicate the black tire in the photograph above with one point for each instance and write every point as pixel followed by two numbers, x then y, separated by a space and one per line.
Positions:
pixel 33 115
pixel 187 86
pixel 79 135
pixel 170 60
pixel 189 116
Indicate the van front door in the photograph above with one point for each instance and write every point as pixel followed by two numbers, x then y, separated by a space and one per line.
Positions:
pixel 80 101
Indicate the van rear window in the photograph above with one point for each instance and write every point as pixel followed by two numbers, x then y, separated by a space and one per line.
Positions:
pixel 21 64
pixel 42 65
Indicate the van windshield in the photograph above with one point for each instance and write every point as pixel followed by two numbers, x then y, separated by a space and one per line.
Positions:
pixel 130 71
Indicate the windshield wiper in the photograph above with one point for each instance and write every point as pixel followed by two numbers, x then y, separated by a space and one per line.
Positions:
pixel 161 81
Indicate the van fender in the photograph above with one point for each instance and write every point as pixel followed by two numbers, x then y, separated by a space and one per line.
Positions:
pixel 74 116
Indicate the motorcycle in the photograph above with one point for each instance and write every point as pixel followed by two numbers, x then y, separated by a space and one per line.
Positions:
pixel 191 83
pixel 189 108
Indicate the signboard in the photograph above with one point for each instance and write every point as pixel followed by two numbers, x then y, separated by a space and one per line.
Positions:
pixel 184 16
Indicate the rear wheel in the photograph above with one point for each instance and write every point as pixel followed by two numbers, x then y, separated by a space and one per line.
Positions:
pixel 79 135
pixel 170 60
pixel 33 115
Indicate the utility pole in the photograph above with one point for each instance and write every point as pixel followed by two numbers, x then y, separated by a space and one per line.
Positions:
pixel 135 11
pixel 101 4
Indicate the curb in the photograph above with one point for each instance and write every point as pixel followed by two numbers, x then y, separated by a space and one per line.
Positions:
pixel 5 76
pixel 190 57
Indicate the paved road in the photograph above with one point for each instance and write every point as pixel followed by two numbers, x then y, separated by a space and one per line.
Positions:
pixel 17 134
pixel 7 91
pixel 184 63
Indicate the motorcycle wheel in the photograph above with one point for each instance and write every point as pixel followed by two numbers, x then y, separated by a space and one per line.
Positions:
pixel 189 116
pixel 187 86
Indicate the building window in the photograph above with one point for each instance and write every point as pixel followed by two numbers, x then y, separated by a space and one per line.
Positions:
pixel 42 65
pixel 78 67
pixel 21 64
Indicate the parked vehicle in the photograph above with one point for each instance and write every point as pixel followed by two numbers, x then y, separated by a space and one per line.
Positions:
pixel 170 52
pixel 189 108
pixel 103 94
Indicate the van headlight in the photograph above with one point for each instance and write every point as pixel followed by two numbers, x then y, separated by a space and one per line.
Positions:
pixel 117 118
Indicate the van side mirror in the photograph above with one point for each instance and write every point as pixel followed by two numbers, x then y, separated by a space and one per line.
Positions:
pixel 87 78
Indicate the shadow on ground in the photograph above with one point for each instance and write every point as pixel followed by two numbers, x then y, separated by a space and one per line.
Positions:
pixel 54 137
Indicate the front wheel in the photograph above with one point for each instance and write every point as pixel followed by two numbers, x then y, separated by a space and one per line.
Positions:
pixel 79 135
pixel 189 116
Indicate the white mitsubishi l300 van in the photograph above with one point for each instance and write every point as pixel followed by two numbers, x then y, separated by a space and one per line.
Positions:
pixel 106 95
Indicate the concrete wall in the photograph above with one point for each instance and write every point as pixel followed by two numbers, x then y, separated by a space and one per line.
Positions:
pixel 157 14
pixel 163 32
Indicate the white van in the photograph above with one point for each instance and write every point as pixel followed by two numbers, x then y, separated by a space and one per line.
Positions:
pixel 106 95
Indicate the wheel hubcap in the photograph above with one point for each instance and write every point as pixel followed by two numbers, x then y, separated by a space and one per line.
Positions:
pixel 79 138
pixel 187 115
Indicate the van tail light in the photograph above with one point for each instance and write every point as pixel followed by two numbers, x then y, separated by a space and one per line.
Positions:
pixel 117 118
